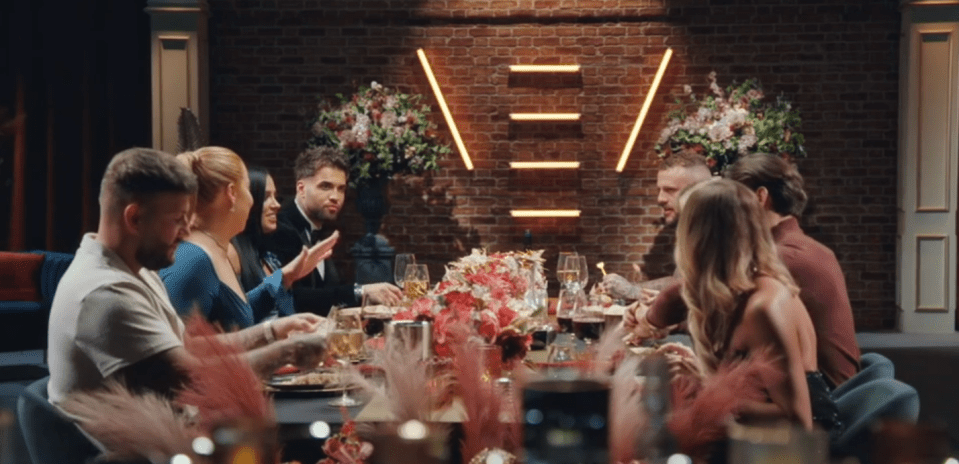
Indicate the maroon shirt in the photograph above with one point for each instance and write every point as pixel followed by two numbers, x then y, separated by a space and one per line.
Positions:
pixel 822 289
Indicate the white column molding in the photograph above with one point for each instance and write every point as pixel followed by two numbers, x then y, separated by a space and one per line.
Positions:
pixel 928 166
pixel 180 67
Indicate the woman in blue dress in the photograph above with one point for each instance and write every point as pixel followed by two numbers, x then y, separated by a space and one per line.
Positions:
pixel 204 275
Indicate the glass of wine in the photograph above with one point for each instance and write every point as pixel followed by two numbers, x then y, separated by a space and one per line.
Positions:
pixel 583 271
pixel 568 273
pixel 589 323
pixel 416 281
pixel 561 267
pixel 375 318
pixel 566 306
pixel 399 267
pixel 345 344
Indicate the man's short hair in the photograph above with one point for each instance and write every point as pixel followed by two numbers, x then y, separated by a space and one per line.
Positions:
pixel 137 174
pixel 683 159
pixel 313 159
pixel 780 178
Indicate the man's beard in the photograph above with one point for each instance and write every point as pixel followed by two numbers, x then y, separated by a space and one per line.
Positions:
pixel 153 258
pixel 320 216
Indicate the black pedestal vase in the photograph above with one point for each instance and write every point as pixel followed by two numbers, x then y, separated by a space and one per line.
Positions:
pixel 372 253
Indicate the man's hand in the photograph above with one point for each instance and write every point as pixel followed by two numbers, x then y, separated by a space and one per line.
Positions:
pixel 383 293
pixel 619 287
pixel 284 327
pixel 304 263
pixel 309 350
pixel 634 321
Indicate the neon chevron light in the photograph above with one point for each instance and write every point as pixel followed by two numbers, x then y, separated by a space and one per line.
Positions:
pixel 544 164
pixel 544 116
pixel 544 213
pixel 445 109
pixel 644 110
pixel 544 68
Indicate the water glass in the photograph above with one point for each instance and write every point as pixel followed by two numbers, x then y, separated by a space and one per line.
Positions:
pixel 399 267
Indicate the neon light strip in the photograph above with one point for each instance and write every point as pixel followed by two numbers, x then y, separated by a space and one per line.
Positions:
pixel 446 111
pixel 544 164
pixel 544 116
pixel 644 110
pixel 544 68
pixel 540 213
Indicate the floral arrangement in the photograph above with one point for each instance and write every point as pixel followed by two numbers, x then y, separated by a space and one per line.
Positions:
pixel 382 131
pixel 346 447
pixel 486 292
pixel 732 122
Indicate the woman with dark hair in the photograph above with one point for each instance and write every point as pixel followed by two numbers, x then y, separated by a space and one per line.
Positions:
pixel 256 262
pixel 204 275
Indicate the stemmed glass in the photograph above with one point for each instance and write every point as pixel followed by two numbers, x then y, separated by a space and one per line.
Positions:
pixel 583 271
pixel 399 267
pixel 345 343
pixel 416 281
pixel 567 270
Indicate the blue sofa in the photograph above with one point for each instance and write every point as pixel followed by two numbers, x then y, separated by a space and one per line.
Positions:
pixel 24 313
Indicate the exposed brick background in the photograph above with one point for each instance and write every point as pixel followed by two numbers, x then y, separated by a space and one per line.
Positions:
pixel 837 61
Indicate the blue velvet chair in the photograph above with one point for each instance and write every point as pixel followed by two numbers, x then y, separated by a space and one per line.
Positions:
pixel 864 405
pixel 50 438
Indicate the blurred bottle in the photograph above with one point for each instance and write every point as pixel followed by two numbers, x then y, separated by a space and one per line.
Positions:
pixel 657 444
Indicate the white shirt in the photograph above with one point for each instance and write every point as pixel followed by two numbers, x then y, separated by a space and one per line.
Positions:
pixel 103 318
pixel 320 266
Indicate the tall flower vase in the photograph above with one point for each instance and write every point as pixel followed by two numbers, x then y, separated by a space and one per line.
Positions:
pixel 372 253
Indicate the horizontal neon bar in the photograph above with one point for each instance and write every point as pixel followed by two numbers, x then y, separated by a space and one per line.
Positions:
pixel 544 116
pixel 544 164
pixel 532 213
pixel 544 68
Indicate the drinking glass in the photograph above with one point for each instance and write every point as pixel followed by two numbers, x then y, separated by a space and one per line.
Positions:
pixel 566 305
pixel 345 344
pixel 568 272
pixel 375 318
pixel 399 267
pixel 589 323
pixel 583 271
pixel 561 275
pixel 416 281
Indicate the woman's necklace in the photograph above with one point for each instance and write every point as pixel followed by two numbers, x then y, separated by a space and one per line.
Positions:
pixel 222 247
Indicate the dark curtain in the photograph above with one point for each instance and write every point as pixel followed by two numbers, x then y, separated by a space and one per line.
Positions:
pixel 83 68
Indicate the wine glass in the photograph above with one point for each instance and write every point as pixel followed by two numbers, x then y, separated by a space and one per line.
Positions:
pixel 399 267
pixel 583 271
pixel 375 318
pixel 589 323
pixel 560 266
pixel 568 272
pixel 416 281
pixel 566 306
pixel 345 344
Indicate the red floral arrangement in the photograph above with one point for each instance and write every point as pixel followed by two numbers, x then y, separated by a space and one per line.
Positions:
pixel 346 447
pixel 486 292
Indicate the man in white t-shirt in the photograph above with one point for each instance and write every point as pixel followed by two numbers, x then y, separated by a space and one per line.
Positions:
pixel 111 317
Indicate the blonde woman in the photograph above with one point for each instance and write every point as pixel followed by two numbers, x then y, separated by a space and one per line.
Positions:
pixel 743 303
pixel 204 274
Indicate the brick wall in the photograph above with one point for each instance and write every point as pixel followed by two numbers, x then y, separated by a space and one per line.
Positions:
pixel 837 61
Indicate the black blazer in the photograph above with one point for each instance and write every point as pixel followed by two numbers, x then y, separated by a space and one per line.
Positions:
pixel 313 293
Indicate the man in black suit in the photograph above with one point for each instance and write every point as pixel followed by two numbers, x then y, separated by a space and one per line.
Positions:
pixel 321 177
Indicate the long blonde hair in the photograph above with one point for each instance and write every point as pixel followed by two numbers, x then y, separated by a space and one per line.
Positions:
pixel 214 167
pixel 722 245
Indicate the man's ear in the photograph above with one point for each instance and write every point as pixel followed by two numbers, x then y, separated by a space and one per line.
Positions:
pixel 133 217
pixel 300 188
pixel 763 195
